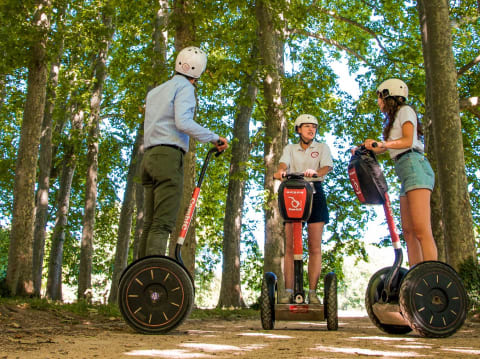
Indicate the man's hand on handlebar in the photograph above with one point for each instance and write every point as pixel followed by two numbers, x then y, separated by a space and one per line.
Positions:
pixel 221 144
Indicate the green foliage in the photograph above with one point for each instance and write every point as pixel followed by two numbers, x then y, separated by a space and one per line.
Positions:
pixel 376 41
pixel 470 274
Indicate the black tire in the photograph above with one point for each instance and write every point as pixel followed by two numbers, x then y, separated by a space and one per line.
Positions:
pixel 155 295
pixel 433 299
pixel 330 305
pixel 267 302
pixel 373 295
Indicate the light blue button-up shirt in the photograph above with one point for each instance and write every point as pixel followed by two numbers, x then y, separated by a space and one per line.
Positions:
pixel 169 113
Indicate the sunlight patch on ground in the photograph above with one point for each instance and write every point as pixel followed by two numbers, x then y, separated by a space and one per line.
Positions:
pixel 413 346
pixel 171 354
pixel 213 348
pixel 195 331
pixel 266 335
pixel 362 351
pixel 462 350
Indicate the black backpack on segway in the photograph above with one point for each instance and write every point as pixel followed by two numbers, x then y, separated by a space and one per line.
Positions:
pixel 156 293
pixel 430 297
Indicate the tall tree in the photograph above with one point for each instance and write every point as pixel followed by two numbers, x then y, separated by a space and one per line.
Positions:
pixel 45 160
pixel 69 163
pixel 230 289
pixel 19 272
pixel 182 19
pixel 444 106
pixel 92 127
pixel 271 51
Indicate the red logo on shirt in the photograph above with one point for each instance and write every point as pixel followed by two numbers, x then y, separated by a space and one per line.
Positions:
pixel 314 154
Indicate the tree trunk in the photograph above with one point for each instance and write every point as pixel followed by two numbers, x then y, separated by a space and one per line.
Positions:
pixel 54 280
pixel 86 250
pixel 444 104
pixel 20 257
pixel 436 201
pixel 271 49
pixel 183 21
pixel 139 199
pixel 45 168
pixel 230 290
pixel 125 222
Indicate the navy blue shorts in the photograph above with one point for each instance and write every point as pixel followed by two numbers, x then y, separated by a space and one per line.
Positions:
pixel 319 205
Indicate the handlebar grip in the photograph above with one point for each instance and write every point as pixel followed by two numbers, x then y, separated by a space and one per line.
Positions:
pixel 219 142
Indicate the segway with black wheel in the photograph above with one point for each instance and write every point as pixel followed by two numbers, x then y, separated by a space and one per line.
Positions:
pixel 156 293
pixel 430 297
pixel 295 196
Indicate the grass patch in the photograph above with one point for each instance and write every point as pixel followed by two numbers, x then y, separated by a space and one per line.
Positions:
pixel 80 308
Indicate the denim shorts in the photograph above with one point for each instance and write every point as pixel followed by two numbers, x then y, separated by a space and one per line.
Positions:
pixel 414 172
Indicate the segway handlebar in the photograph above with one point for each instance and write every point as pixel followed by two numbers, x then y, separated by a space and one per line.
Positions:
pixel 193 202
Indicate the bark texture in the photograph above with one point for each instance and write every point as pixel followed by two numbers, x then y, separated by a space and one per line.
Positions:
pixel 19 278
pixel 271 47
pixel 444 104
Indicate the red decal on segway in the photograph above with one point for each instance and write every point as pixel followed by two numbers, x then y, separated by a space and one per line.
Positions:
pixel 352 174
pixel 298 309
pixel 295 202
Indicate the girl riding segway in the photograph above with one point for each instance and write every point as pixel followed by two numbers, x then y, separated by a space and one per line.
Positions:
pixel 314 160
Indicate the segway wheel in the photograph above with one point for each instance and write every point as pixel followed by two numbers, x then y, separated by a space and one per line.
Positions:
pixel 433 299
pixel 373 294
pixel 267 301
pixel 330 304
pixel 155 295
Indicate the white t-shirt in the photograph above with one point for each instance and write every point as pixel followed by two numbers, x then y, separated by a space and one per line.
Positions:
pixel 316 156
pixel 404 114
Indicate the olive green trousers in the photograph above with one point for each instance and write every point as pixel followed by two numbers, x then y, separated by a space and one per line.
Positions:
pixel 162 179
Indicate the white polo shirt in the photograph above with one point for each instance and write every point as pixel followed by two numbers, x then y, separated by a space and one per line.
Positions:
pixel 316 156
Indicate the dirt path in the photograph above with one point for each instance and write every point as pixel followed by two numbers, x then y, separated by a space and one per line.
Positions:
pixel 357 337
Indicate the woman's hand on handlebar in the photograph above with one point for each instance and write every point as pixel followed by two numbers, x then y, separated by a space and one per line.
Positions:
pixel 310 173
pixel 280 174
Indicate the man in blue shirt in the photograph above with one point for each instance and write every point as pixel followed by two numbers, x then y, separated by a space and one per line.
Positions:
pixel 169 123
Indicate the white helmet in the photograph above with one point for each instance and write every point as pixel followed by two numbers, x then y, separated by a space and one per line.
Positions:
pixel 305 118
pixel 393 87
pixel 191 61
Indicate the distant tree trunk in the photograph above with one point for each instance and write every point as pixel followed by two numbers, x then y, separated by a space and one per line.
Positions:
pixel 20 256
pixel 183 20
pixel 125 222
pixel 271 49
pixel 436 201
pixel 86 250
pixel 54 279
pixel 444 104
pixel 139 199
pixel 45 168
pixel 3 90
pixel 230 290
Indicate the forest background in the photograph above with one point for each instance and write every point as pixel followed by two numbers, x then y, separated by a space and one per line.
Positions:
pixel 73 80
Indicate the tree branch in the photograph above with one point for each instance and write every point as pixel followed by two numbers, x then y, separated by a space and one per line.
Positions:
pixel 468 66
pixel 333 43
